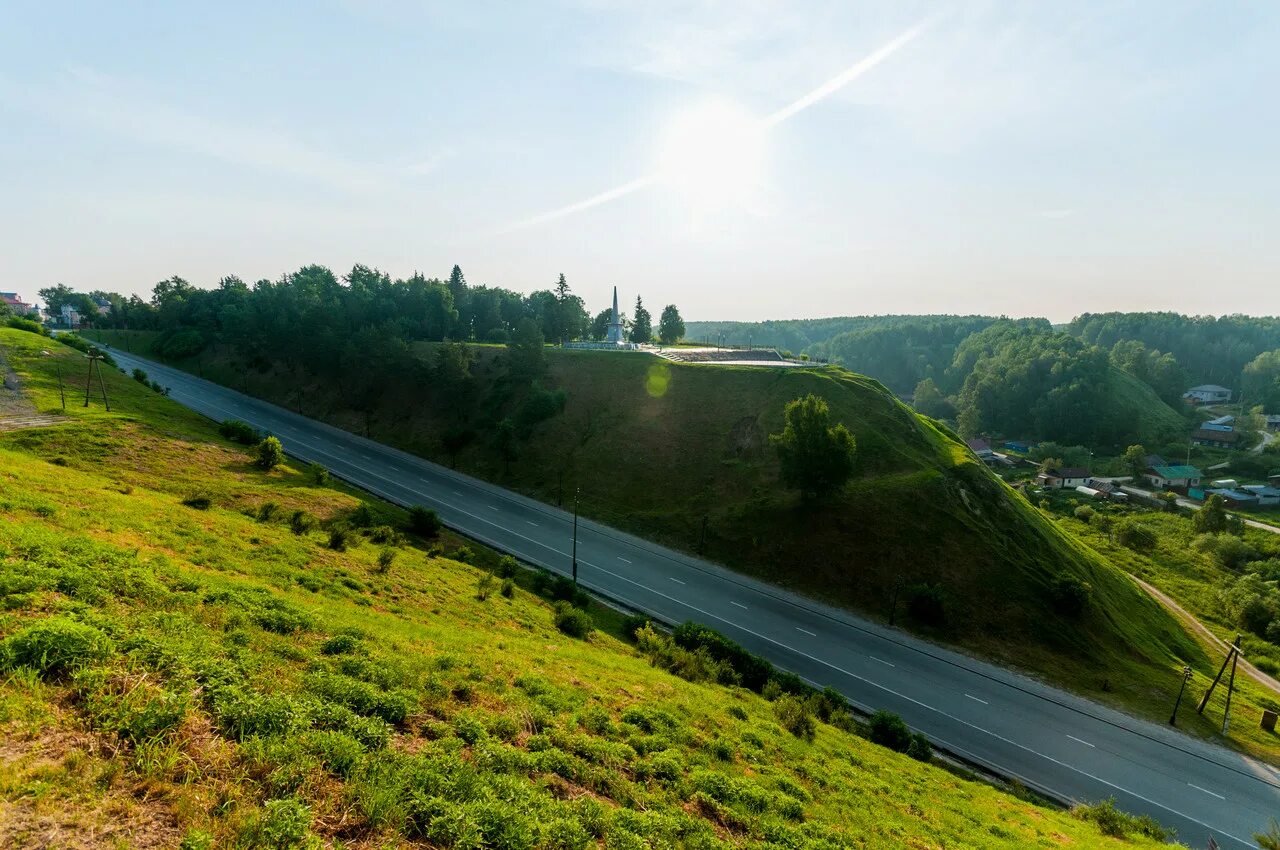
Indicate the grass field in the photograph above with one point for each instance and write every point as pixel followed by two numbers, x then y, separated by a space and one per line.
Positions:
pixel 660 449
pixel 183 673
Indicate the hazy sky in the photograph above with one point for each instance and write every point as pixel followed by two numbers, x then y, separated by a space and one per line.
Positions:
pixel 1020 158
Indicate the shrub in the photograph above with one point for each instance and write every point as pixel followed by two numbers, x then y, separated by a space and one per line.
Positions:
pixel 29 325
pixel 463 555
pixel 341 644
pixel 632 624
pixel 484 587
pixel 1070 595
pixel 1136 536
pixel 508 588
pixel 179 344
pixel 238 431
pixel 888 730
pixel 300 522
pixel 925 603
pixel 199 501
pixel 158 387
pixel 920 749
pixel 424 522
pixel 385 559
pixel 140 376
pixel 754 671
pixel 1084 513
pixel 1115 823
pixel 270 453
pixel 794 716
pixel 282 825
pixel 339 539
pixel 361 517
pixel 267 511
pixel 507 566
pixel 318 474
pixel 54 646
pixel 385 534
pixel 572 621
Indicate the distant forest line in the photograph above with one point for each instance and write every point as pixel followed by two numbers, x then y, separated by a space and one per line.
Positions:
pixel 1104 379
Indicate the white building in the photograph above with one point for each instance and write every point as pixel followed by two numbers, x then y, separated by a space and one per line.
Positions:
pixel 1207 394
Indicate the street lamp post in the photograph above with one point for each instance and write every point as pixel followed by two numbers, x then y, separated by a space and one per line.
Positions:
pixel 1186 677
pixel 575 534
pixel 57 364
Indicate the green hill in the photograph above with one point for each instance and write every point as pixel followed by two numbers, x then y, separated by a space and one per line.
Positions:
pixel 186 664
pixel 679 454
pixel 1156 423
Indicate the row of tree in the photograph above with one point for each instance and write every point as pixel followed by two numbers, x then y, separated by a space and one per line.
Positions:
pixel 311 316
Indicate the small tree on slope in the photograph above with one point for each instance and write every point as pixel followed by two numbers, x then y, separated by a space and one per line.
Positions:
pixel 816 456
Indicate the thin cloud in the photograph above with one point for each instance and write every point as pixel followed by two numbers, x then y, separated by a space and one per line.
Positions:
pixel 830 87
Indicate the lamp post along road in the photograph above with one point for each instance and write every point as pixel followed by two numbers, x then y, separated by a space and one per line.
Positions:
pixel 576 492
pixel 1186 677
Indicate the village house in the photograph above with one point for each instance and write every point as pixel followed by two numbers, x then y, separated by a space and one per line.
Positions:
pixel 1173 477
pixel 1207 394
pixel 1069 477
pixel 1215 437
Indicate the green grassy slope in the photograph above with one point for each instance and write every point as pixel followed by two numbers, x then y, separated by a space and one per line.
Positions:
pixel 658 449
pixel 1135 401
pixel 209 677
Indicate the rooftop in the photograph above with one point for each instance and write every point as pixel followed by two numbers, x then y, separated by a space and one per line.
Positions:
pixel 1208 388
pixel 1178 471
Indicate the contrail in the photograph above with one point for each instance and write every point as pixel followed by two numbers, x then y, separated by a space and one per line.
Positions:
pixel 822 92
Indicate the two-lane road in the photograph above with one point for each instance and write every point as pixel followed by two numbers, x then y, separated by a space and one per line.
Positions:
pixel 1065 746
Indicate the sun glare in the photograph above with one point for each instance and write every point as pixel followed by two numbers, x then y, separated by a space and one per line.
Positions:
pixel 712 156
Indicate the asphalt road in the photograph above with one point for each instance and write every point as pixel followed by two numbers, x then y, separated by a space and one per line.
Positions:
pixel 1060 744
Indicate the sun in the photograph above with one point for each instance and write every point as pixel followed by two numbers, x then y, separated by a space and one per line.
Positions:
pixel 712 156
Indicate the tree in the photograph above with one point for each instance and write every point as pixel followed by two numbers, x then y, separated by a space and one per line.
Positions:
pixel 270 453
pixel 524 352
pixel 1135 460
pixel 600 324
pixel 670 326
pixel 816 457
pixel 641 324
pixel 1212 518
pixel 930 401
pixel 1260 381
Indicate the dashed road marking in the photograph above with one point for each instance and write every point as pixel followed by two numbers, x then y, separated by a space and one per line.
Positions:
pixel 882 661
pixel 531 522
pixel 806 631
pixel 676 580
pixel 1080 740
pixel 975 699
pixel 623 560
pixel 1207 791
pixel 739 604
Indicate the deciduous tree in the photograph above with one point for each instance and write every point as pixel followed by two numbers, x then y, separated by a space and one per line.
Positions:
pixel 816 456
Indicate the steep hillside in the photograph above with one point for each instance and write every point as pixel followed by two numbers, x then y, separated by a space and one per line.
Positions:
pixel 193 673
pixel 1156 422
pixel 680 454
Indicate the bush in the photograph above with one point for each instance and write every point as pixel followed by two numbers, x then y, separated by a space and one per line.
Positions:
pixel 1070 595
pixel 140 376
pixel 1136 536
pixel 1084 513
pixel 753 671
pixel 179 344
pixel 270 453
pixel 539 405
pixel 21 324
pixel 385 559
pixel 318 474
pixel 54 646
pixel 508 588
pixel 300 522
pixel 199 501
pixel 632 624
pixel 424 522
pixel 341 644
pixel 794 716
pixel 267 511
pixel 484 587
pixel 282 825
pixel 925 603
pixel 507 566
pixel 888 730
pixel 361 517
pixel 339 539
pixel 1115 823
pixel 572 621
pixel 920 749
pixel 237 431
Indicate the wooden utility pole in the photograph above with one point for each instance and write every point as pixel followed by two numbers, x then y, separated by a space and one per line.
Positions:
pixel 1231 655
pixel 575 535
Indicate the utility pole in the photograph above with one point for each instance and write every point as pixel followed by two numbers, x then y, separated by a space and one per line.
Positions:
pixel 576 493
pixel 1231 684
pixel 893 608
pixel 102 382
pixel 1186 677
pixel 1231 654
pixel 57 365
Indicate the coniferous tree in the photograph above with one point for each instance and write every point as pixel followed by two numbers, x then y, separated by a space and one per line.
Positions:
pixel 641 324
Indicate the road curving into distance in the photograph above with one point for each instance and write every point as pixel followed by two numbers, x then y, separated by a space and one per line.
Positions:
pixel 1054 742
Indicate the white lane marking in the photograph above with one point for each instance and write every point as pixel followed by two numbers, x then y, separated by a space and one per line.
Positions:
pixel 494 508
pixel 676 580
pixel 623 560
pixel 531 522
pixel 1207 791
pixel 975 699
pixel 882 661
pixel 780 644
pixel 1080 740
pixel 806 631
pixel 739 604
pixel 457 493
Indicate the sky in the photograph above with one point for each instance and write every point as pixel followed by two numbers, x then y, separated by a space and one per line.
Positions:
pixel 744 160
